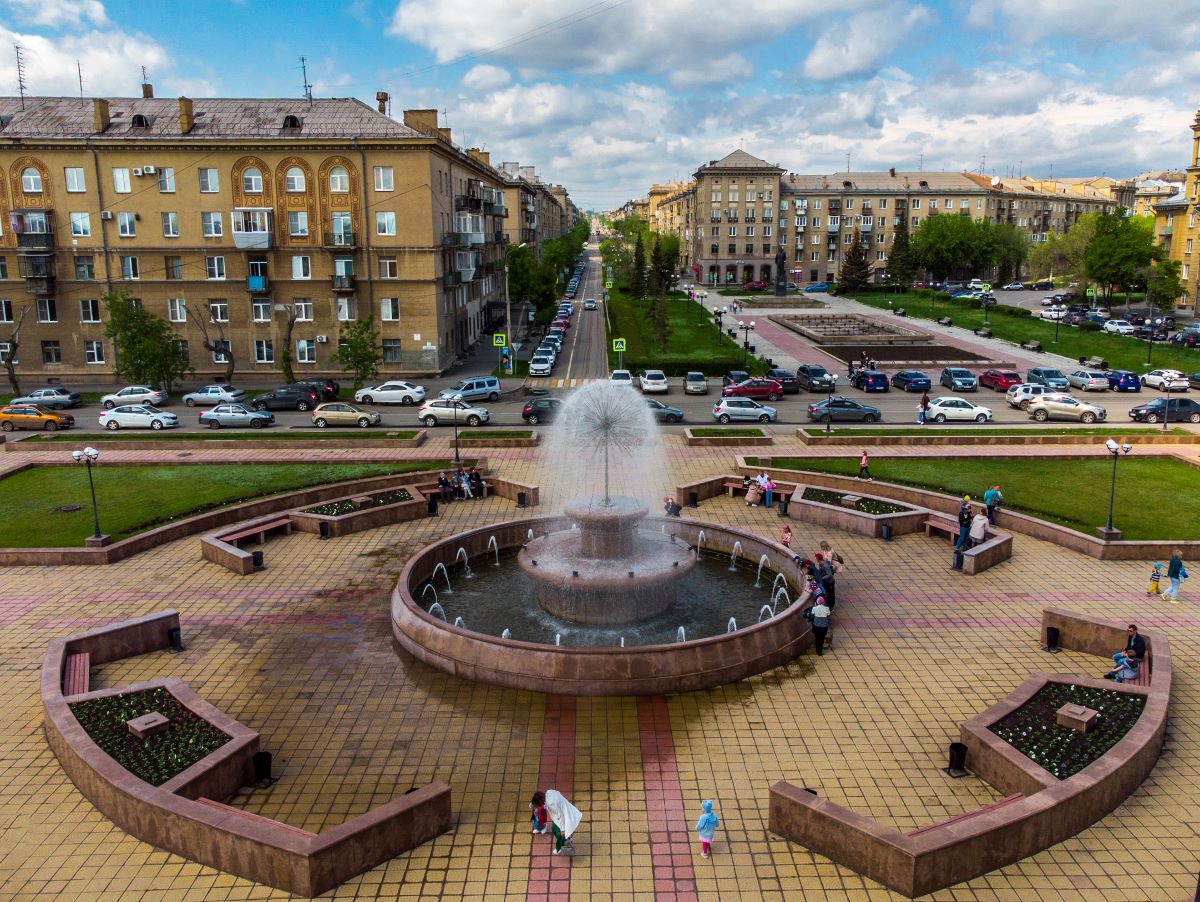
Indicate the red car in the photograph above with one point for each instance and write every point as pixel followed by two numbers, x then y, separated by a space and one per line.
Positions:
pixel 754 388
pixel 563 321
pixel 1000 380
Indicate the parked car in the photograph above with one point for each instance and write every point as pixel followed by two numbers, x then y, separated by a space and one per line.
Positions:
pixel 475 387
pixel 1020 396
pixel 956 378
pixel 1123 380
pixel 1042 285
pixel 339 413
pixel 1088 380
pixel 785 378
pixel 1194 380
pixel 745 409
pixel 871 380
pixel 1187 339
pixel 843 410
pixel 1173 410
pixel 214 394
pixel 443 411
pixel 235 415
pixel 754 388
pixel 1164 379
pixel 547 349
pixel 911 380
pixel 951 287
pixel 695 384
pixel 137 416
pixel 1053 313
pixel 663 412
pixel 1119 327
pixel 942 410
pixel 540 365
pixel 813 377
pixel 976 284
pixel 327 389
pixel 49 399
pixel 1057 406
pixel 541 410
pixel 1000 380
pixel 654 381
pixel 1048 301
pixel 391 393
pixel 30 416
pixel 1150 333
pixel 1012 286
pixel 733 377
pixel 1049 377
pixel 296 396
pixel 134 394
pixel 621 377
pixel 817 286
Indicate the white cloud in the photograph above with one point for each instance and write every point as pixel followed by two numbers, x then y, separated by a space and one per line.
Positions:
pixel 111 61
pixel 704 70
pixel 857 46
pixel 59 13
pixel 1172 22
pixel 486 78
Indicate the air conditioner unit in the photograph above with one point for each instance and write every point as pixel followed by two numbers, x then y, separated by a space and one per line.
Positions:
pixel 321 339
pixel 137 171
pixel 149 170
pixel 106 214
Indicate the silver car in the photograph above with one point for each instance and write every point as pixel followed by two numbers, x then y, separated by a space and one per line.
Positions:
pixel 744 409
pixel 137 416
pixel 1088 380
pixel 1054 406
pixel 134 394
pixel 391 393
pixel 214 394
pixel 444 411
pixel 236 415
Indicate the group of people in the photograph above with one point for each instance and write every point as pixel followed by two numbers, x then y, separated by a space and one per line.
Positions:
pixel 760 489
pixel 820 581
pixel 973 523
pixel 1176 574
pixel 865 364
pixel 460 484
pixel 550 811
pixel 1128 661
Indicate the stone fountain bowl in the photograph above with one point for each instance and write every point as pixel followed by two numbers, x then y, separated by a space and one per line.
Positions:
pixel 644 670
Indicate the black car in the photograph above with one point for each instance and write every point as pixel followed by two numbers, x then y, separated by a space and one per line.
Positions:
pixel 541 410
pixel 787 379
pixel 297 396
pixel 1174 411
pixel 1150 333
pixel 843 410
pixel 327 389
pixel 1188 339
pixel 912 380
pixel 812 377
pixel 1194 380
pixel 1043 285
pixel 734 377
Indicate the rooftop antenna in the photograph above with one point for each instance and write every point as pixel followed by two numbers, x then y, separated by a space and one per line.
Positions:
pixel 145 76
pixel 847 161
pixel 921 165
pixel 307 86
pixel 21 85
pixel 79 70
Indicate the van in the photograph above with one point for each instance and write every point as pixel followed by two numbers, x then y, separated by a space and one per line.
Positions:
pixel 474 387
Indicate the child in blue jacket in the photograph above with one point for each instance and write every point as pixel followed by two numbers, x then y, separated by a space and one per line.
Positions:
pixel 706 827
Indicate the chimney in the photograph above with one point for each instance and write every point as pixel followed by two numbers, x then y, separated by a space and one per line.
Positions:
pixel 187 116
pixel 147 90
pixel 444 134
pixel 481 155
pixel 100 117
pixel 381 99
pixel 892 172
pixel 424 121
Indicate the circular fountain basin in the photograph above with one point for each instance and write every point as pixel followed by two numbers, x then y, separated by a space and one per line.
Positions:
pixel 647 669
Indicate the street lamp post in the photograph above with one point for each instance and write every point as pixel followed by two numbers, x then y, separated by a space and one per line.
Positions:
pixel 1167 407
pixel 86 456
pixel 508 304
pixel 746 328
pixel 829 403
pixel 718 315
pixel 1116 451
pixel 456 399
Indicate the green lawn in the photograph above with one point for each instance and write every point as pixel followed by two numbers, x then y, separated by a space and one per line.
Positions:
pixel 265 435
pixel 134 499
pixel 1157 497
pixel 722 432
pixel 495 433
pixel 1004 430
pixel 1120 352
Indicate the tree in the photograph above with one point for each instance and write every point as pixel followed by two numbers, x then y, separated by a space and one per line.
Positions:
pixel 660 323
pixel 1064 253
pixel 637 275
pixel 359 351
pixel 1011 249
pixel 13 343
pixel 901 267
pixel 147 347
pixel 945 242
pixel 855 274
pixel 1164 287
pixel 219 346
pixel 669 245
pixel 286 357
pixel 655 277
pixel 1120 251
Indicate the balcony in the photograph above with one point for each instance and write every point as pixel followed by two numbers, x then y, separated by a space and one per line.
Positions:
pixel 258 284
pixel 342 283
pixel 494 209
pixel 454 239
pixel 35 241
pixel 500 237
pixel 464 203
pixel 251 230
pixel 40 285
pixel 340 239
pixel 452 278
pixel 833 226
pixel 475 238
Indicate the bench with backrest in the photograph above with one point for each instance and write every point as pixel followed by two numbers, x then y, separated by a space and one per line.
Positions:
pixel 967 815
pixel 252 818
pixel 1096 363
pixel 937 524
pixel 259 531
pixel 430 489
pixel 77 673
pixel 735 487
pixel 996 547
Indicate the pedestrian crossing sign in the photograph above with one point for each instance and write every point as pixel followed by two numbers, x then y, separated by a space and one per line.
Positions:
pixel 499 340
pixel 1091 292
pixel 608 284
pixel 986 287
pixel 619 345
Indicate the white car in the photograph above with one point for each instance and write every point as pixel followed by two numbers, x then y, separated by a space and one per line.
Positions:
pixel 215 394
pixel 589 304
pixel 1166 379
pixel 1048 302
pixel 942 410
pixel 1019 396
pixel 540 366
pixel 654 381
pixel 1053 313
pixel 391 393
pixel 134 394
pixel 622 377
pixel 137 416
pixel 1119 327
pixel 975 284
pixel 443 411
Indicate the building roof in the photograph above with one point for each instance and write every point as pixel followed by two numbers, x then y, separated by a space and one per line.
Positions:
pixel 884 181
pixel 1176 200
pixel 71 117
pixel 739 159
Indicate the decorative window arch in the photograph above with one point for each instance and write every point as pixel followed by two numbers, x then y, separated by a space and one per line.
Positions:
pixel 250 187
pixel 294 180
pixel 31 180
pixel 252 180
pixel 139 121
pixel 339 180
pixel 291 121
pixel 295 173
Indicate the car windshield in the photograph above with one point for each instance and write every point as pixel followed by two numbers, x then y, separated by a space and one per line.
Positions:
pixel 960 374
pixel 695 377
pixel 1052 374
pixel 817 371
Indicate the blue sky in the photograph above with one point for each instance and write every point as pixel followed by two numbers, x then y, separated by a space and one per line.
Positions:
pixel 607 96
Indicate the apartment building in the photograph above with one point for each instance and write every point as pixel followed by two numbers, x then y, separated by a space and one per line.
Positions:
pixel 1176 228
pixel 541 211
pixel 265 223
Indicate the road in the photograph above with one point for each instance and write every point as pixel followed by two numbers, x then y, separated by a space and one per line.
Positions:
pixel 585 352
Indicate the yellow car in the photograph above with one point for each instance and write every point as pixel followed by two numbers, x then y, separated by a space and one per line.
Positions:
pixel 30 416
pixel 339 413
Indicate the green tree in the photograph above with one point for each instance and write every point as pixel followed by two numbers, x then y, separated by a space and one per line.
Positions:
pixel 855 274
pixel 1164 287
pixel 148 351
pixel 1063 254
pixel 1011 249
pixel 12 343
pixel 359 351
pixel 637 274
pixel 901 267
pixel 669 245
pixel 943 243
pixel 1120 251
pixel 655 281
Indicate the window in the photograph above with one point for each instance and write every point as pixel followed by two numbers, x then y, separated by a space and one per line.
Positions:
pixel 170 225
pixel 303 308
pixel 182 345
pixel 177 310
pixel 880 255
pixel 733 231
pixel 339 180
pixel 342 233
pixel 297 224
pixel 214 267
pixel 218 311
pixel 75 180
pixel 766 231
pixel 293 180
pixel 391 350
pixel 260 311
pixel 301 268
pixel 47 310
pixel 31 180
pixel 166 180
pixel 210 225
pixel 733 248
pixel 343 266
pixel 264 351
pixel 221 350
pixel 916 204
pixel 948 203
pixel 121 180
pixel 848 238
pixel 252 181
pixel 89 310
pixel 883 203
pixel 126 225
pixel 916 221
pixel 816 239
pixel 383 178
pixel 385 223
pixel 388 270
pixel 173 268
pixel 389 310
pixel 85 268
pixel 5 350
pixel 879 238
pixel 5 310
pixel 347 309
pixel 835 222
pixel 3 267
pixel 93 352
pixel 51 352
pixel 306 351
pixel 81 225
pixel 749 231
pixel 716 232
pixel 209 181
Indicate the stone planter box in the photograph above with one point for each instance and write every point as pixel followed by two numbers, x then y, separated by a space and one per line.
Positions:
pixel 368 518
pixel 848 519
pixel 484 442
pixel 723 440
pixel 286 444
pixel 866 441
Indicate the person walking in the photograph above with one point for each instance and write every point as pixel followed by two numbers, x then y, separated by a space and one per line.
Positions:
pixel 923 408
pixel 1155 580
pixel 564 821
pixel 864 467
pixel 706 827
pixel 768 492
pixel 819 615
pixel 992 499
pixel 1176 574
pixel 964 524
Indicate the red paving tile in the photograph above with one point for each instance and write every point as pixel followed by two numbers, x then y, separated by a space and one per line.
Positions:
pixel 550 875
pixel 670 851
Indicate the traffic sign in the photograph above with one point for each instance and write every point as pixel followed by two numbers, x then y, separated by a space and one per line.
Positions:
pixel 608 284
pixel 516 347
pixel 618 344
pixel 986 286
pixel 1091 292
pixel 499 340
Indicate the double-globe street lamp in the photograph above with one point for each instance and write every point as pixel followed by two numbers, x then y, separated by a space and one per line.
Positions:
pixel 456 400
pixel 829 402
pixel 86 457
pixel 719 315
pixel 1116 451
pixel 746 328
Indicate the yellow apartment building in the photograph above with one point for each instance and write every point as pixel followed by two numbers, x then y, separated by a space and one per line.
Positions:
pixel 1176 228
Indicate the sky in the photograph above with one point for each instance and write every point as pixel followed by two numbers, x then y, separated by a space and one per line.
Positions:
pixel 608 96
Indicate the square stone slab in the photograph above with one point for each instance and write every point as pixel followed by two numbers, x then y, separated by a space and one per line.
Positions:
pixel 1077 717
pixel 147 725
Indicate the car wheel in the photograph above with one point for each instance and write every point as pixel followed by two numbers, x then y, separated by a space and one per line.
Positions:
pixel 1024 405
pixel 320 422
pixel 723 419
pixel 408 401
pixel 1088 418
pixel 1041 416
pixel 6 426
pixel 532 419
pixel 260 406
pixel 214 424
pixel 109 405
pixel 367 399
pixel 1194 418
pixel 940 418
pixel 302 405
pixel 772 397
pixel 430 421
pixel 254 424
pixel 764 419
pixel 671 418
pixel 363 422
pixel 190 402
pixel 869 418
pixel 1151 418
pixel 156 425
pixel 981 418
pixel 493 397
pixel 51 426
pixel 473 420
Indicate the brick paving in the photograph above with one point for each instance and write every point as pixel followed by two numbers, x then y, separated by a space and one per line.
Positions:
pixel 302 652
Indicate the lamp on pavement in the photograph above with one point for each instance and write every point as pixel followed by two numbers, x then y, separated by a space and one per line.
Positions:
pixel 457 399
pixel 1116 451
pixel 829 403
pixel 746 328
pixel 86 457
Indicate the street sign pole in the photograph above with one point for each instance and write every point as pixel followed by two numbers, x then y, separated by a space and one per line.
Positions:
pixel 500 342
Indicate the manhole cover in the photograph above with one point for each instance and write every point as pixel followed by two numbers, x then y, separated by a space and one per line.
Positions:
pixel 70 508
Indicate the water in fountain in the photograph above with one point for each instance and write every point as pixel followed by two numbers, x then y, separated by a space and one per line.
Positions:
pixel 462 555
pixel 493 547
pixel 765 613
pixel 780 593
pixel 445 573
pixel 507 634
pixel 762 562
pixel 437 610
pixel 429 588
pixel 734 555
pixel 731 626
pixel 779 578
pixel 680 635
pixel 459 622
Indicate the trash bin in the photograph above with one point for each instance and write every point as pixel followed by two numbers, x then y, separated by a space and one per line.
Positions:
pixel 784 501
pixel 257 556
pixel 323 525
pixel 957 765
pixel 175 638
pixel 885 531
pixel 1052 638
pixel 262 766
pixel 957 564
pixel 431 505
pixel 693 499
pixel 522 499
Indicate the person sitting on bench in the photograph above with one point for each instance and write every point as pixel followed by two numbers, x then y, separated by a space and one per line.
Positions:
pixel 1127 668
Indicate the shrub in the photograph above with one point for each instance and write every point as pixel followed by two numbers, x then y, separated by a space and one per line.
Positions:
pixel 1007 310
pixel 1089 326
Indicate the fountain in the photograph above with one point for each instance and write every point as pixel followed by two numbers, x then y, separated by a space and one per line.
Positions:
pixel 467 571
pixel 762 562
pixel 446 573
pixel 734 555
pixel 494 548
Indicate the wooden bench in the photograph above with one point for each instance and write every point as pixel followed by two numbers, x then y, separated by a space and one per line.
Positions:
pixel 1144 672
pixel 935 524
pixel 254 818
pixel 1031 345
pixel 77 674
pixel 983 332
pixel 259 531
pixel 945 321
pixel 967 815
pixel 734 487
pixel 1096 363
pixel 430 489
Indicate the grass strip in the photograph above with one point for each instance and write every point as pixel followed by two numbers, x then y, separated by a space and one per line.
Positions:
pixel 717 432
pixel 1008 430
pixel 257 435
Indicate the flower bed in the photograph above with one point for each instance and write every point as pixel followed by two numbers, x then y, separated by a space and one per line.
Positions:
pixel 156 759
pixel 350 506
pixel 1034 731
pixel 866 505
